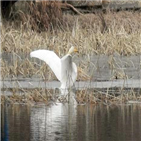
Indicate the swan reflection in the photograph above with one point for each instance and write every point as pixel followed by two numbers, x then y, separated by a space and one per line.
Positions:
pixel 53 122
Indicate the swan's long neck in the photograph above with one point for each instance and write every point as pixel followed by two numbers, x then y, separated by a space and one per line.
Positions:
pixel 70 52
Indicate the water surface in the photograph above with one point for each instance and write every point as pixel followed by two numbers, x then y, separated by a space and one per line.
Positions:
pixel 63 122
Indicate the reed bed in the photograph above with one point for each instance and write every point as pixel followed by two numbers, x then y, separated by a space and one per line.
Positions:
pixel 92 34
pixel 122 37
pixel 82 97
pixel 107 96
pixel 28 96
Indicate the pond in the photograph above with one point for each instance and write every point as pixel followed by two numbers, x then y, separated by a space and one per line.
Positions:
pixel 70 122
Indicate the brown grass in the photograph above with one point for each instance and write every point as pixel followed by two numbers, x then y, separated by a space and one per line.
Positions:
pixel 86 96
pixel 28 96
pixel 39 16
pixel 87 33
pixel 107 97
pixel 122 36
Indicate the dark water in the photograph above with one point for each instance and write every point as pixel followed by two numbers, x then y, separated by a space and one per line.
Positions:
pixel 71 123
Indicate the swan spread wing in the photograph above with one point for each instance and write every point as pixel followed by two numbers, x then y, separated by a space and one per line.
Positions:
pixel 51 59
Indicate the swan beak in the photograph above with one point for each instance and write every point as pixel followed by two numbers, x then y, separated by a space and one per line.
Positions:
pixel 75 50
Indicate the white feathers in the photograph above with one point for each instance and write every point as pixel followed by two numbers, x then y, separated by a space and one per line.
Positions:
pixel 64 69
pixel 51 59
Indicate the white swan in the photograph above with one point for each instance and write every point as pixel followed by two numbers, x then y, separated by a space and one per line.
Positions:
pixel 64 69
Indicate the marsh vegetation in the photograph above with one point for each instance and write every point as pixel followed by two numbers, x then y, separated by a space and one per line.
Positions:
pixel 96 34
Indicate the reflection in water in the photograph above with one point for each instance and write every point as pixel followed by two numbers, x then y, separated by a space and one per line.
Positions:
pixel 55 122
pixel 64 122
pixel 4 135
pixel 17 122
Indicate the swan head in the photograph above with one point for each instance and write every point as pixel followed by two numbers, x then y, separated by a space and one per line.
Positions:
pixel 72 50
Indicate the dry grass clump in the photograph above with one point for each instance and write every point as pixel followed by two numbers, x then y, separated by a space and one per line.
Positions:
pixel 122 35
pixel 2 99
pixel 107 97
pixel 28 96
pixel 85 96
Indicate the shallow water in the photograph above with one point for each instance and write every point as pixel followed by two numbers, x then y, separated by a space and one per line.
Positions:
pixel 30 84
pixel 71 123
